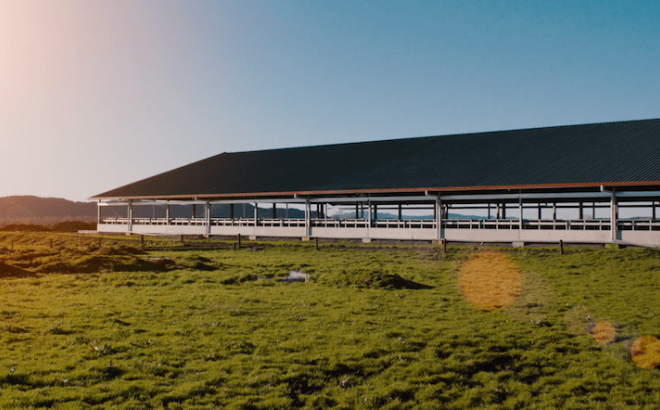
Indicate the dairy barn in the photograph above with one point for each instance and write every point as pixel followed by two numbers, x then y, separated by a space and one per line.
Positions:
pixel 591 183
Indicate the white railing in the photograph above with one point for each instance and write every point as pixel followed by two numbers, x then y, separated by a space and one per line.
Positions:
pixel 538 224
pixel 282 222
pixel 638 225
pixel 572 224
pixel 405 223
pixel 339 223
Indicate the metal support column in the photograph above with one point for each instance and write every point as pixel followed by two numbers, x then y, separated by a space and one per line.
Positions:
pixel 256 220
pixel 438 219
pixel 613 215
pixel 580 212
pixel 130 216
pixel 399 212
pixel 274 211
pixel 653 210
pixel 231 211
pixel 520 208
pixel 503 210
pixel 167 214
pixel 369 214
pixel 98 213
pixel 357 210
pixel 308 230
pixel 207 217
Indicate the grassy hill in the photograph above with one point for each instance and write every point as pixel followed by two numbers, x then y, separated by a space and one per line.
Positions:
pixel 377 326
pixel 36 210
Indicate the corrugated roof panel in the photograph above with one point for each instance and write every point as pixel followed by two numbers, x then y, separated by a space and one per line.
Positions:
pixel 579 154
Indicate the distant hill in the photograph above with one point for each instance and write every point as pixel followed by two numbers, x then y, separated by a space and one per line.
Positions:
pixel 37 210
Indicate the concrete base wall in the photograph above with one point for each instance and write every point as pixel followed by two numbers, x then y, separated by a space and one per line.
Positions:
pixel 642 238
pixel 526 235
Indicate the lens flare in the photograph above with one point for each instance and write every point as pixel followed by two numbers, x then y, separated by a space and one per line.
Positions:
pixel 603 332
pixel 490 281
pixel 645 352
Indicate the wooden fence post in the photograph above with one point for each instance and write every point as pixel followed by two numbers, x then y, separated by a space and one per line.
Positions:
pixel 561 247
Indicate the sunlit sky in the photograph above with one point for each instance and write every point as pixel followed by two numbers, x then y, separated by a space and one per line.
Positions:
pixel 98 94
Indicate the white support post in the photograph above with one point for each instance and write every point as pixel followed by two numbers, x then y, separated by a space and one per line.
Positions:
pixel 613 216
pixel 308 228
pixel 98 214
pixel 369 214
pixel 438 218
pixel 207 216
pixel 256 221
pixel 130 216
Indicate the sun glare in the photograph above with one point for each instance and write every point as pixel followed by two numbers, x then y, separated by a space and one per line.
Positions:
pixel 490 281
pixel 645 352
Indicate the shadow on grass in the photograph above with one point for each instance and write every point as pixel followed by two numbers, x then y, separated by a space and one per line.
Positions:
pixel 394 281
pixel 371 280
pixel 10 271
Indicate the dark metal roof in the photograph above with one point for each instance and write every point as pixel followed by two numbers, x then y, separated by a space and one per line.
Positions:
pixel 615 153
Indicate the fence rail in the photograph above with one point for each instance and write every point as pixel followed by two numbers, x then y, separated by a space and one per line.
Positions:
pixel 538 224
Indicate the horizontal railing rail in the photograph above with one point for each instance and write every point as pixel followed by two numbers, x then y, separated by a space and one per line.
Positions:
pixel 538 224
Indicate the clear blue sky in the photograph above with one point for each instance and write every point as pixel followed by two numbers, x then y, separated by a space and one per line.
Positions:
pixel 98 94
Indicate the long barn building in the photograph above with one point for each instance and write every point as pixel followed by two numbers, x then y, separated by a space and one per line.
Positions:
pixel 593 183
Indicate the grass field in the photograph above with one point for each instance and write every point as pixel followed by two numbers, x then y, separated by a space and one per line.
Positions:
pixel 389 327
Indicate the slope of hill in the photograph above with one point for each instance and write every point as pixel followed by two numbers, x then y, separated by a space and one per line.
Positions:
pixel 37 210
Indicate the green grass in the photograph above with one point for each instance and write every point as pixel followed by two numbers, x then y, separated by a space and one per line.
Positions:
pixel 376 327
